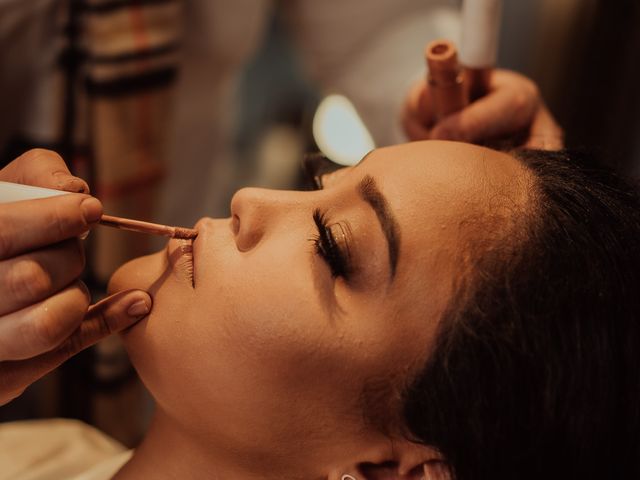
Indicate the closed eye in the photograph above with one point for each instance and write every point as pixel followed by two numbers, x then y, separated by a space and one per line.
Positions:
pixel 335 253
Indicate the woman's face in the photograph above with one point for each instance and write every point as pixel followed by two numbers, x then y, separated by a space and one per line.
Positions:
pixel 302 300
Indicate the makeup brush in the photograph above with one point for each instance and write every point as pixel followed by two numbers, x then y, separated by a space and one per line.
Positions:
pixel 445 78
pixel 454 84
pixel 15 192
pixel 147 227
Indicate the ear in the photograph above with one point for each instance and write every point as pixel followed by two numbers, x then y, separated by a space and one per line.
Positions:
pixel 400 460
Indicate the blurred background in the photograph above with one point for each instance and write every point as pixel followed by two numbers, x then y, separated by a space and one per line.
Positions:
pixel 167 120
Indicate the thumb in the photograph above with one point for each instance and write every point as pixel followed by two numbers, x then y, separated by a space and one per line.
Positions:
pixel 43 168
pixel 111 315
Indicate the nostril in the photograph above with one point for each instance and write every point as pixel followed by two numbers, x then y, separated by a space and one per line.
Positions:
pixel 235 224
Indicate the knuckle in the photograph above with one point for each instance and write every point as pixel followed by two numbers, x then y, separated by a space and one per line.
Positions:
pixel 28 281
pixel 31 156
pixel 36 154
pixel 520 101
pixel 529 85
pixel 70 347
pixel 48 330
pixel 43 331
pixel 102 326
pixel 6 243
pixel 527 92
pixel 86 294
pixel 523 110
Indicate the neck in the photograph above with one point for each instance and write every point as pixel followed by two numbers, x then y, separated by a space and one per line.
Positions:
pixel 169 452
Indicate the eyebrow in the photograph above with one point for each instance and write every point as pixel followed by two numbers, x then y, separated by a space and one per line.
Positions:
pixel 370 193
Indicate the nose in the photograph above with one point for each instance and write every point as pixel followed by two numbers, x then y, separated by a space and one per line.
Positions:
pixel 255 211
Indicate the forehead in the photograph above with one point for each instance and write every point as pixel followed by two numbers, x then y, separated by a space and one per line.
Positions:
pixel 437 184
pixel 443 168
pixel 434 189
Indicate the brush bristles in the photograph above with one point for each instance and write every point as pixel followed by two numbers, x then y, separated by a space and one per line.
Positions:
pixel 185 233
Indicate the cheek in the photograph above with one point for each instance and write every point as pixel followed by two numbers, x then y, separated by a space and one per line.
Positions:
pixel 158 345
pixel 266 308
pixel 250 344
pixel 251 316
pixel 254 343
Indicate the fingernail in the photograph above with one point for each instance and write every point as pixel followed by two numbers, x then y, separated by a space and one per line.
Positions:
pixel 138 309
pixel 91 209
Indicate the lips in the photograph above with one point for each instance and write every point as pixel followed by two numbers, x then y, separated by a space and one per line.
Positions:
pixel 180 258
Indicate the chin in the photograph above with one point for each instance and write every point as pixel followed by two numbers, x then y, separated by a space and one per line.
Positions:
pixel 139 273
pixel 143 273
pixel 151 342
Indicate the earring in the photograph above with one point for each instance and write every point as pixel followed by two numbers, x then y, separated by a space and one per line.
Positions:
pixel 347 477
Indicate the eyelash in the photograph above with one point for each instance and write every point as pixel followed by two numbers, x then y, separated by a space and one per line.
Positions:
pixel 326 246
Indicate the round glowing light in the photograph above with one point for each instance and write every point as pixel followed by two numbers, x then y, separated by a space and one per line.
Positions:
pixel 339 131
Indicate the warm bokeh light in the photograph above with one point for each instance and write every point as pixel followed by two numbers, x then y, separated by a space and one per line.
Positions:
pixel 339 131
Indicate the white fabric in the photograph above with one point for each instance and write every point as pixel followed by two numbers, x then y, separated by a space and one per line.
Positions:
pixel 58 449
pixel 106 469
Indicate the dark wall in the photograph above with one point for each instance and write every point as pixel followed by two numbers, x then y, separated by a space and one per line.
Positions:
pixel 585 55
pixel 601 105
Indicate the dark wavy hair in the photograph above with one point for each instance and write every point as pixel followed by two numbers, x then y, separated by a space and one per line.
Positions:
pixel 536 369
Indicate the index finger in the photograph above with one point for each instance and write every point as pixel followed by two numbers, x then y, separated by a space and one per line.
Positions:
pixel 502 112
pixel 33 224
pixel 43 168
pixel 109 316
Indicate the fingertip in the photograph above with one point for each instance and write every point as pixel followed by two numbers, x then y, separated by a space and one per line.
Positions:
pixel 115 314
pixel 124 309
pixel 91 209
pixel 140 304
